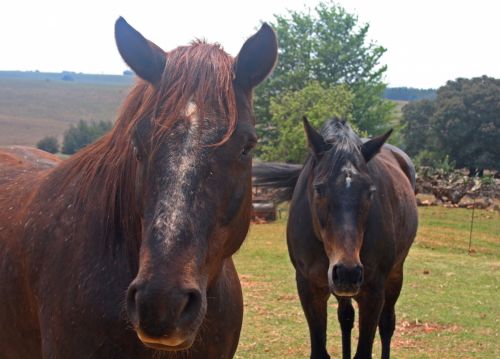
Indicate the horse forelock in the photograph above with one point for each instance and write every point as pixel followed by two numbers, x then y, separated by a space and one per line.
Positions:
pixel 345 147
pixel 201 74
pixel 338 133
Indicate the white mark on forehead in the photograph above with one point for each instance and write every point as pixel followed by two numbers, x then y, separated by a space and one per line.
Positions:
pixel 175 206
pixel 191 111
pixel 349 170
pixel 348 181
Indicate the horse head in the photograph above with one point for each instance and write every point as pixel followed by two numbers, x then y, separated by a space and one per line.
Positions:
pixel 192 134
pixel 341 193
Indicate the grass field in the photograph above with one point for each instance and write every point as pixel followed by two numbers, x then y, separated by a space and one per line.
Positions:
pixel 449 306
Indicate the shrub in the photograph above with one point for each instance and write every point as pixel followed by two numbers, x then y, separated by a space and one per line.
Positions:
pixel 84 133
pixel 49 144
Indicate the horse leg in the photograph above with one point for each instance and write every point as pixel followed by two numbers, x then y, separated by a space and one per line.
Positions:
pixel 387 322
pixel 370 305
pixel 314 303
pixel 345 314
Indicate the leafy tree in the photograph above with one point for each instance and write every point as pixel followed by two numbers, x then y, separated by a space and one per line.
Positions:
pixel 79 136
pixel 329 46
pixel 467 122
pixel 49 144
pixel 416 132
pixel 314 101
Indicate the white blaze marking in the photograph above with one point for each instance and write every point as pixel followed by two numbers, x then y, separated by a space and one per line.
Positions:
pixel 191 111
pixel 174 208
pixel 349 170
pixel 348 181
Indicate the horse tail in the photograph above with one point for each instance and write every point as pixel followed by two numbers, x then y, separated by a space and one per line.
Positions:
pixel 282 177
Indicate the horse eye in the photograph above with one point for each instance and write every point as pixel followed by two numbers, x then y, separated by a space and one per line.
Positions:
pixel 247 151
pixel 372 190
pixel 319 190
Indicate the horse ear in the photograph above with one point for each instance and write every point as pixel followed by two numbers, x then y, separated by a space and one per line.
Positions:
pixel 256 58
pixel 316 141
pixel 372 147
pixel 144 57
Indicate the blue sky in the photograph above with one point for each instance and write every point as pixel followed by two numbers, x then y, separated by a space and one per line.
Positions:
pixel 428 41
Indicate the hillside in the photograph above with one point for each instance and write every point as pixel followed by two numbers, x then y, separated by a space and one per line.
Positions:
pixel 409 94
pixel 38 104
pixel 34 104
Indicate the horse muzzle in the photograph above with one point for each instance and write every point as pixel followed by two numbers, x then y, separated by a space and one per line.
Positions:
pixel 165 318
pixel 345 281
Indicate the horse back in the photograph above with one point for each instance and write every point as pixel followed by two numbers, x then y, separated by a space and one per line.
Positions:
pixel 24 158
pixel 22 169
pixel 405 163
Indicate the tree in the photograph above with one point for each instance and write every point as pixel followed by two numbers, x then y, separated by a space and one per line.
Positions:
pixel 326 45
pixel 49 144
pixel 79 136
pixel 315 102
pixel 467 122
pixel 416 131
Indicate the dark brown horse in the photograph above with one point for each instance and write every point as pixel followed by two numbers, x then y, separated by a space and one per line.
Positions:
pixel 352 220
pixel 124 250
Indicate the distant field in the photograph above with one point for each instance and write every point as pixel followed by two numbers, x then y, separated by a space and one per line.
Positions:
pixel 400 104
pixel 449 306
pixel 35 105
pixel 38 104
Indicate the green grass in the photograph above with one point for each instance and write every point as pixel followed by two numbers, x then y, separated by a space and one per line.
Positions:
pixel 449 306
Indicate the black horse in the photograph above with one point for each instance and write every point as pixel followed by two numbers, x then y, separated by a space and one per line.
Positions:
pixel 353 218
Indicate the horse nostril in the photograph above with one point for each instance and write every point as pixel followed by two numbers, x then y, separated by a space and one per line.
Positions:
pixel 342 275
pixel 191 306
pixel 358 275
pixel 156 312
pixel 132 303
pixel 336 273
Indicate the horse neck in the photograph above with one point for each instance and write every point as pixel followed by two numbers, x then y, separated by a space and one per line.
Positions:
pixel 100 183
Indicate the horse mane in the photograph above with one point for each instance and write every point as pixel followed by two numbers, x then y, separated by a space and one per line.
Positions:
pixel 104 172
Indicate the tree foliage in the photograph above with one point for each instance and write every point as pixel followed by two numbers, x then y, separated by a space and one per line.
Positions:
pixel 329 46
pixel 84 133
pixel 463 123
pixel 315 102
pixel 416 132
pixel 467 122
pixel 49 144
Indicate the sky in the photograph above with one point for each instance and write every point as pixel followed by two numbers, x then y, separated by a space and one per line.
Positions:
pixel 428 42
